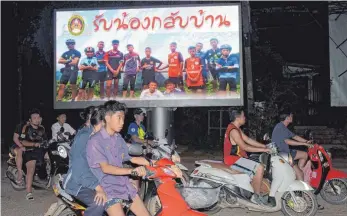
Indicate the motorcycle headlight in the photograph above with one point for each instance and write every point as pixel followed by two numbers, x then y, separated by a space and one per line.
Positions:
pixel 62 151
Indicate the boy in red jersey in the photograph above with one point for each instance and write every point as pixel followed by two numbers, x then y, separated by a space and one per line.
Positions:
pixel 193 67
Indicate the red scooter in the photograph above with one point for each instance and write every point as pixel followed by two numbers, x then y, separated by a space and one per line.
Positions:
pixel 329 182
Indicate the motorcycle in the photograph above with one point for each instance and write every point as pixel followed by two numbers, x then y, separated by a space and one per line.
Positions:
pixel 330 183
pixel 54 161
pixel 173 203
pixel 42 177
pixel 292 196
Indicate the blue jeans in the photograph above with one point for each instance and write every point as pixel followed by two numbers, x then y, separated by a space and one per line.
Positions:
pixel 87 196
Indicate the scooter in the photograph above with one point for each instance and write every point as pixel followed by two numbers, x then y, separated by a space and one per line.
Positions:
pixel 330 183
pixel 292 196
pixel 171 200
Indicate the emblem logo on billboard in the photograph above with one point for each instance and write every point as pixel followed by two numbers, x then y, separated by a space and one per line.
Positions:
pixel 76 25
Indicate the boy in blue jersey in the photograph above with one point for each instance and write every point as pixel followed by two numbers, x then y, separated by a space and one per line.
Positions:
pixel 69 72
pixel 102 71
pixel 202 55
pixel 89 67
pixel 227 67
pixel 212 56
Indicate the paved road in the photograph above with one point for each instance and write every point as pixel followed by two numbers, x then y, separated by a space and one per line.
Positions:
pixel 14 203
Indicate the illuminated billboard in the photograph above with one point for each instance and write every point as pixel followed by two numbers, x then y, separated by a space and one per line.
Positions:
pixel 149 57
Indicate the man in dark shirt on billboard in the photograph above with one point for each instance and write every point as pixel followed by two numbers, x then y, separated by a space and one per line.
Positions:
pixel 212 57
pixel 149 67
pixel 131 67
pixel 102 71
pixel 114 62
pixel 70 59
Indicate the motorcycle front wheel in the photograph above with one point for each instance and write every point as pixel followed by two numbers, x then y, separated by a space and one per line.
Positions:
pixel 305 203
pixel 336 195
pixel 68 212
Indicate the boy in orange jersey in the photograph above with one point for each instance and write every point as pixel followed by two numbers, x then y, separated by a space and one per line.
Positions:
pixel 175 65
pixel 193 67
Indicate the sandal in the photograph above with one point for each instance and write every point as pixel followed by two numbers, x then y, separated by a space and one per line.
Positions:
pixel 29 196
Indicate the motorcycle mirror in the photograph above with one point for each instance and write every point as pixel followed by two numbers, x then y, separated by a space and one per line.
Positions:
pixel 62 129
pixel 127 138
pixel 67 133
pixel 135 149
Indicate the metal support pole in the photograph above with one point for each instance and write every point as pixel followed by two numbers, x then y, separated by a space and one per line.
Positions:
pixel 161 121
pixel 220 122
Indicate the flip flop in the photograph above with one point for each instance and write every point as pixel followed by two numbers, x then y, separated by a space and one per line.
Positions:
pixel 320 207
pixel 29 196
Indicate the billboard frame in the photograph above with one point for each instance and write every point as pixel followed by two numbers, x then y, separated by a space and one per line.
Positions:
pixel 176 102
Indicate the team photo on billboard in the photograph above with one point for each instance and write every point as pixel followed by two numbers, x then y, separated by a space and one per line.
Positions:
pixel 149 57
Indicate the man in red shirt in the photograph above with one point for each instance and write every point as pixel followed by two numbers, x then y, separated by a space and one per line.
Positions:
pixel 114 62
pixel 175 65
pixel 236 144
pixel 193 67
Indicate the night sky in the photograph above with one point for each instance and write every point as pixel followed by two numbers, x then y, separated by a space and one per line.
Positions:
pixel 296 36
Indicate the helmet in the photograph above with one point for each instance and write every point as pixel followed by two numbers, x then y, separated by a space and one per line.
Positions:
pixel 70 41
pixel 225 46
pixel 89 49
pixel 139 111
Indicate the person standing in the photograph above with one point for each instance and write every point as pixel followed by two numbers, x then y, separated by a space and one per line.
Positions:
pixel 102 71
pixel 70 59
pixel 212 56
pixel 175 65
pixel 193 67
pixel 131 68
pixel 114 61
pixel 202 55
pixel 149 67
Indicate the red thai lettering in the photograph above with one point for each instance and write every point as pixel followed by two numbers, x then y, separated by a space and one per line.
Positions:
pixel 210 17
pixel 223 21
pixel 153 21
pixel 170 22
pixel 122 24
pixel 201 12
pixel 135 23
pixel 148 20
pixel 98 20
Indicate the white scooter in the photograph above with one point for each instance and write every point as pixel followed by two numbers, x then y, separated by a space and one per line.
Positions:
pixel 293 197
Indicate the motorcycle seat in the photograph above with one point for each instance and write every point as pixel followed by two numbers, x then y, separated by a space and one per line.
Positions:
pixel 219 165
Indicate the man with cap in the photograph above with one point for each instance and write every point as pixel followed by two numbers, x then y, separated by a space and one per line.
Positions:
pixel 131 68
pixel 61 123
pixel 136 129
pixel 114 62
pixel 70 59
pixel 212 57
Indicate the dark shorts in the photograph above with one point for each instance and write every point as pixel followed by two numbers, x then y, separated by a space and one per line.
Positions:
pixel 293 153
pixel 33 154
pixel 110 76
pixel 112 202
pixel 129 79
pixel 214 73
pixel 102 76
pixel 68 75
pixel 147 77
pixel 196 87
pixel 176 80
pixel 223 82
pixel 86 196
pixel 89 78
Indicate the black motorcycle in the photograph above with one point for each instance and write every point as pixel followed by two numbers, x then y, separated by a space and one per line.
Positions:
pixel 53 160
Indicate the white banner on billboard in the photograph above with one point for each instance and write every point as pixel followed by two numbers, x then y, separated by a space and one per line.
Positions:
pixel 150 57
pixel 338 59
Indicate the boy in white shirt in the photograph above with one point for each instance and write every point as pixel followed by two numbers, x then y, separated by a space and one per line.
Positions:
pixel 56 127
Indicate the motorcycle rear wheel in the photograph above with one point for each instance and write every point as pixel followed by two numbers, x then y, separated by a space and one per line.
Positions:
pixel 329 195
pixel 306 204
pixel 15 186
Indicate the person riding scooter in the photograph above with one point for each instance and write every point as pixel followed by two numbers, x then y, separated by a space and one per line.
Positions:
pixel 106 152
pixel 137 130
pixel 79 181
pixel 236 144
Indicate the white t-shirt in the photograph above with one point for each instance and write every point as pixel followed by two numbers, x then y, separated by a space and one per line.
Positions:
pixel 146 94
pixel 56 128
